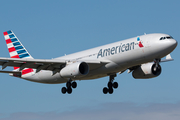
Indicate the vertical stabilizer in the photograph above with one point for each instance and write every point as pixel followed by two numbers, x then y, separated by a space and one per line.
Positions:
pixel 15 47
pixel 17 50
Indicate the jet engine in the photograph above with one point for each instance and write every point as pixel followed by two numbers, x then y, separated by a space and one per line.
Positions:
pixel 146 71
pixel 75 70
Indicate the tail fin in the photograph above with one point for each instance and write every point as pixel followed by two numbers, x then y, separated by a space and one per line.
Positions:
pixel 15 47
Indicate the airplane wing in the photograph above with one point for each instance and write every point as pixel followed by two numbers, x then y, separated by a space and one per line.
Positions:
pixel 42 64
pixel 20 58
pixel 168 58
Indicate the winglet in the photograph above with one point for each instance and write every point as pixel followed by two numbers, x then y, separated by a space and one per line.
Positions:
pixel 168 58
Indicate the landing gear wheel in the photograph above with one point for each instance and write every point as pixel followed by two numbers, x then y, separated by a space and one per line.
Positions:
pixel 69 90
pixel 115 85
pixel 105 90
pixel 111 90
pixel 68 84
pixel 110 84
pixel 74 84
pixel 63 90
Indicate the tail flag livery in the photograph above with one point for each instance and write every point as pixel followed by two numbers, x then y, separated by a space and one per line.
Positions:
pixel 16 49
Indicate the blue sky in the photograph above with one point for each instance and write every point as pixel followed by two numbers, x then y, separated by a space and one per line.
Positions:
pixel 52 28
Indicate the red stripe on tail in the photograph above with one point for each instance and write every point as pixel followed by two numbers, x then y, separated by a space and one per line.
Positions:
pixel 5 33
pixel 16 56
pixel 12 49
pixel 8 41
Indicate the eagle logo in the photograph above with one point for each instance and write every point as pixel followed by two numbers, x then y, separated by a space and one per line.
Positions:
pixel 140 43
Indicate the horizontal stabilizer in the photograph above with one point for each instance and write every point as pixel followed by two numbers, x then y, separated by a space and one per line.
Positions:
pixel 12 73
pixel 16 72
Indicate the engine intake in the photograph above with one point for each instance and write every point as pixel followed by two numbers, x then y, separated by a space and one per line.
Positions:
pixel 75 70
pixel 146 71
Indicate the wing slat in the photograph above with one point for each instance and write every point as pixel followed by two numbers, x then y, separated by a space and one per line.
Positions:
pixel 44 64
pixel 30 63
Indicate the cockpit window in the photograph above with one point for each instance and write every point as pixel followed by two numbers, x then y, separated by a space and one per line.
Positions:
pixel 168 37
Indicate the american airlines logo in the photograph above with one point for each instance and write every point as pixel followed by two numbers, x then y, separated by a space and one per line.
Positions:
pixel 117 49
pixel 140 44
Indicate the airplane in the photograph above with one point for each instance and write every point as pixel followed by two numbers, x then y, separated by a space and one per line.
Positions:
pixel 140 55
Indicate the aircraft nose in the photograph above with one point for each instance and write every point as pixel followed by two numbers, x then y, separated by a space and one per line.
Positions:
pixel 173 43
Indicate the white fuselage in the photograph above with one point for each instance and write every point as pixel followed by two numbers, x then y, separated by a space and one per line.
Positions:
pixel 118 57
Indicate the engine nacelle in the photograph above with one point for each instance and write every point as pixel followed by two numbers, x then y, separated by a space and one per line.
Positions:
pixel 146 71
pixel 75 70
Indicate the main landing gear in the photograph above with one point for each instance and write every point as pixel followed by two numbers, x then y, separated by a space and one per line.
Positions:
pixel 69 86
pixel 109 89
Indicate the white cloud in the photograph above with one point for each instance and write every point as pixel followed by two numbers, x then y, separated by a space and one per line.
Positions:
pixel 108 111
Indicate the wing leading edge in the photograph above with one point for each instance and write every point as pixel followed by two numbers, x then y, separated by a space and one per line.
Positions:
pixel 41 64
pixel 31 63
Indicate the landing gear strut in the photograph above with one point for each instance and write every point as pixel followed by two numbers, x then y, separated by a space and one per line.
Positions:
pixel 109 89
pixel 69 86
pixel 157 66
